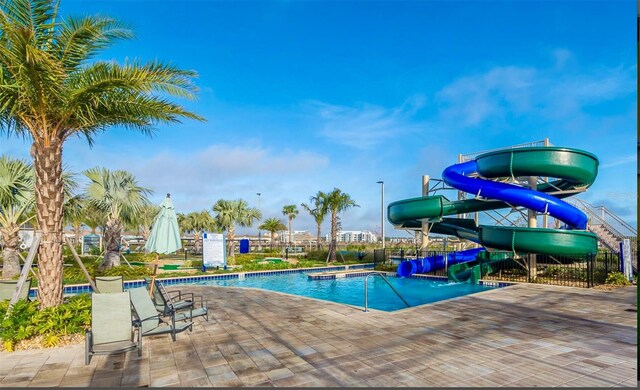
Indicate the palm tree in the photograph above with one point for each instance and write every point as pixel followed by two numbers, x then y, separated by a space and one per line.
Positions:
pixel 198 222
pixel 272 225
pixel 230 213
pixel 337 202
pixel 290 211
pixel 52 89
pixel 74 214
pixel 318 210
pixel 118 195
pixel 16 200
pixel 94 217
pixel 143 220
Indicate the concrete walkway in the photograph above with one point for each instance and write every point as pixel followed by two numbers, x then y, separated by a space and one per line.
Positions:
pixel 520 336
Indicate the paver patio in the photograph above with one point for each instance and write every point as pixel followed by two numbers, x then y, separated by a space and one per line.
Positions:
pixel 524 335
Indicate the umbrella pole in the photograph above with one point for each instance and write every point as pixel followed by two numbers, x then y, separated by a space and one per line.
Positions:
pixel 153 277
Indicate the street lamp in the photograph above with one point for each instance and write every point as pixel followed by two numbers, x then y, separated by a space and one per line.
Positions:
pixel 259 240
pixel 382 210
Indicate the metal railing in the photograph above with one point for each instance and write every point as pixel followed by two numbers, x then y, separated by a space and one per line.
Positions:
pixel 602 216
pixel 366 290
pixel 578 271
pixel 472 156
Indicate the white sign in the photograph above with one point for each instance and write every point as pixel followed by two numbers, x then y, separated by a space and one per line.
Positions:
pixel 213 250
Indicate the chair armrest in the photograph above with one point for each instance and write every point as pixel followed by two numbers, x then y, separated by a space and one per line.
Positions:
pixel 139 321
pixel 178 292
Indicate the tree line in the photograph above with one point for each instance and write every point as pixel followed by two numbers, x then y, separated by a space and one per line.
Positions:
pixel 114 202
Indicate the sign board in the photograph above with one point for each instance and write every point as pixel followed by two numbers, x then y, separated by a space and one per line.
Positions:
pixel 213 250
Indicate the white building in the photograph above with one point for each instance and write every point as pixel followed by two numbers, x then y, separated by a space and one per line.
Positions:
pixel 355 236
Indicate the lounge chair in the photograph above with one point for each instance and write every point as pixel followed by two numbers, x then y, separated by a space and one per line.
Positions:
pixel 109 284
pixel 184 308
pixel 8 287
pixel 150 321
pixel 111 326
pixel 159 299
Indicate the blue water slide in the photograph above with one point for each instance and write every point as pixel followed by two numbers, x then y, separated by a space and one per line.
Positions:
pixel 457 177
pixel 437 262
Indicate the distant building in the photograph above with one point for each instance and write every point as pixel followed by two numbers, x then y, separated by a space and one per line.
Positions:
pixel 355 236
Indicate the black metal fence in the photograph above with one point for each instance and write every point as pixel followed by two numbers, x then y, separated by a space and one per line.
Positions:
pixel 578 271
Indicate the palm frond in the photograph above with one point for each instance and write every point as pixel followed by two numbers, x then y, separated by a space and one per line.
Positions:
pixel 79 40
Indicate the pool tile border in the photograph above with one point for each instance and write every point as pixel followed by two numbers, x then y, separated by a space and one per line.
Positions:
pixel 86 288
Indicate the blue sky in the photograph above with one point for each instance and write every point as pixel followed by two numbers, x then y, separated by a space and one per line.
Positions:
pixel 302 96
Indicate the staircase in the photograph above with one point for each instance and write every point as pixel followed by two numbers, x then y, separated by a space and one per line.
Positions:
pixel 610 228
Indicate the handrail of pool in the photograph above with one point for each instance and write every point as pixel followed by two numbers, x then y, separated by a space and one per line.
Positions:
pixel 366 292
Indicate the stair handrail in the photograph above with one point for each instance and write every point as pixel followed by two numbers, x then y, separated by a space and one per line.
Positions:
pixel 622 222
pixel 366 291
pixel 593 215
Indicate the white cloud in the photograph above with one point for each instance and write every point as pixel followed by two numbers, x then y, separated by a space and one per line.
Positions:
pixel 620 161
pixel 366 125
pixel 473 99
pixel 546 93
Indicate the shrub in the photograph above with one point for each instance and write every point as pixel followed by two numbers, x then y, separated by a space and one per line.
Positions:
pixel 320 255
pixel 140 257
pixel 25 321
pixel 551 272
pixel 193 264
pixel 617 278
pixel 128 273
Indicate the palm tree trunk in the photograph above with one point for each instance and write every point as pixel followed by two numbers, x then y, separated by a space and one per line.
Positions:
pixel 112 234
pixel 272 239
pixel 290 233
pixel 334 232
pixel 76 232
pixel 11 260
pixel 145 232
pixel 47 163
pixel 318 247
pixel 230 236
pixel 196 242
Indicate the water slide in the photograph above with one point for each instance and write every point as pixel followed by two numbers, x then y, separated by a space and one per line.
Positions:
pixel 572 170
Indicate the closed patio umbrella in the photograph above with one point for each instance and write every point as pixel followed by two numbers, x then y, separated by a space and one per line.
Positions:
pixel 165 234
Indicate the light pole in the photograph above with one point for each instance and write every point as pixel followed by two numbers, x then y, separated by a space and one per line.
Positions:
pixel 382 210
pixel 259 240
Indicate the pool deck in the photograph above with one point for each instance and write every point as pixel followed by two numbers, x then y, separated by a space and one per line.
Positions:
pixel 521 336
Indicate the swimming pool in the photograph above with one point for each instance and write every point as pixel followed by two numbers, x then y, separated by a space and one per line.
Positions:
pixel 350 290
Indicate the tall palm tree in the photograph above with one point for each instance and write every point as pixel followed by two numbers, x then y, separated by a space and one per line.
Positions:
pixel 16 200
pixel 52 88
pixel 272 225
pixel 230 213
pixel 317 207
pixel 337 202
pixel 290 210
pixel 118 195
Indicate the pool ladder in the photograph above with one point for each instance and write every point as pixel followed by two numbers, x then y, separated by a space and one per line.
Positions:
pixel 366 290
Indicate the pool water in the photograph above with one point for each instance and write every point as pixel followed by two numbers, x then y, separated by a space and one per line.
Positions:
pixel 350 291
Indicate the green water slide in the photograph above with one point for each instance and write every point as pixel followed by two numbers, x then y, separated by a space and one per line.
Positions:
pixel 571 170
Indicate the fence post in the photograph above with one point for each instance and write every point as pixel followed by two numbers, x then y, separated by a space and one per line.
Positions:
pixel 590 272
